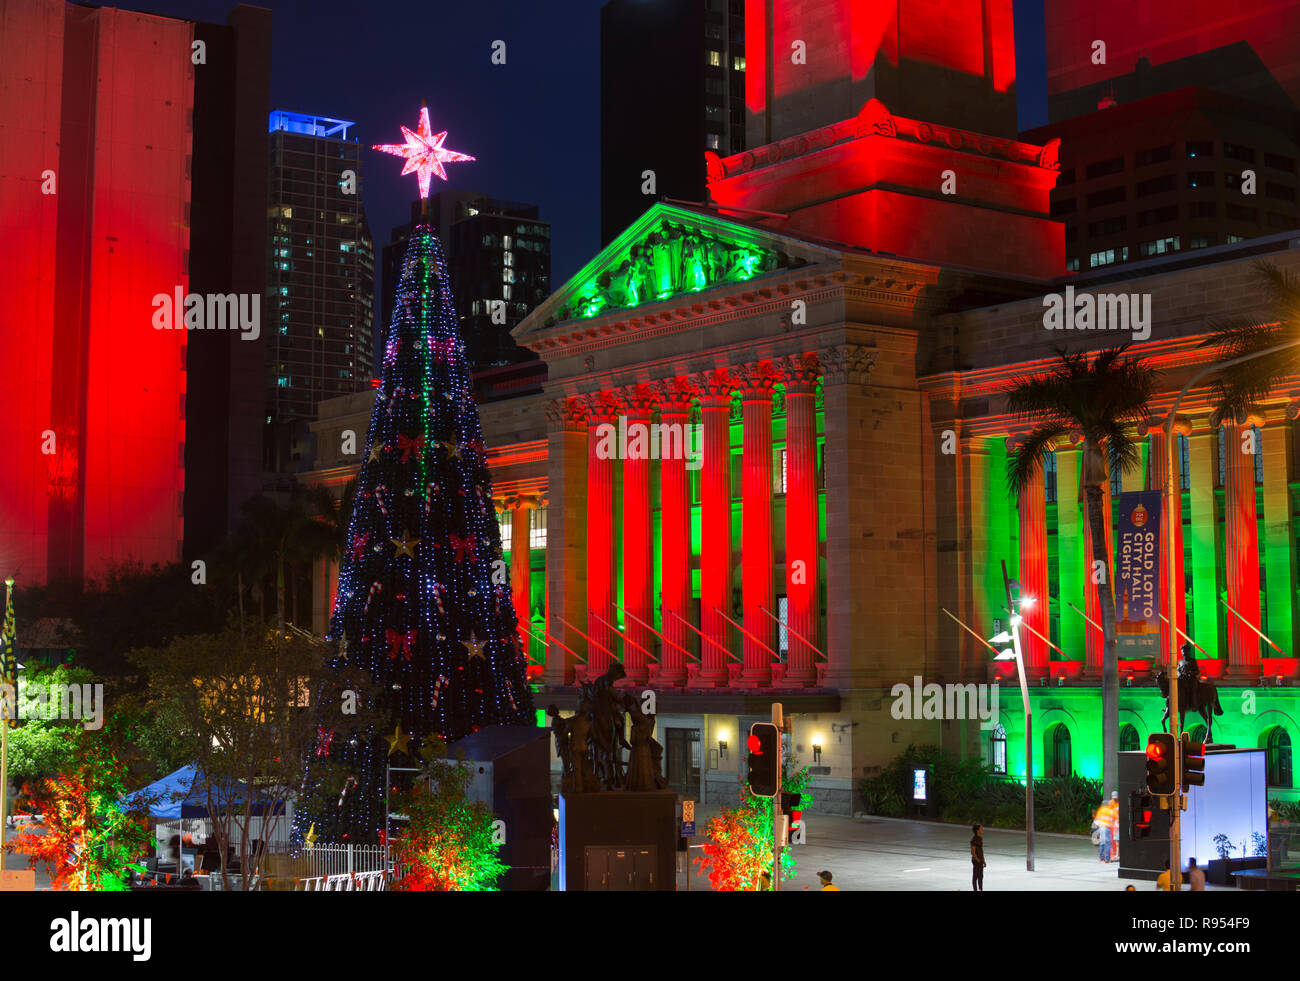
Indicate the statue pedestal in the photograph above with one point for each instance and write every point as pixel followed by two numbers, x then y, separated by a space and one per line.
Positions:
pixel 616 840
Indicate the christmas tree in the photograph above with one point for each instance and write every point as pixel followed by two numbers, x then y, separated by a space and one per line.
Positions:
pixel 424 604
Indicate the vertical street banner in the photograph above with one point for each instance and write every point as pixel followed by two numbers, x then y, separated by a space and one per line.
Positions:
pixel 1137 579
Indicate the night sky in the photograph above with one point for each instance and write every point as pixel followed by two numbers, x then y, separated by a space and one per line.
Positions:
pixel 533 123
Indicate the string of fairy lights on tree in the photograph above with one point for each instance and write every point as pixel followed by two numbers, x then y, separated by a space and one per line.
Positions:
pixel 424 604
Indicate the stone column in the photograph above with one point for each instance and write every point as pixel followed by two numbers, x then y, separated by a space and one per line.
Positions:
pixel 1207 557
pixel 1070 558
pixel 1241 540
pixel 715 525
pixel 675 530
pixel 1279 553
pixel 758 384
pixel 1157 468
pixel 521 563
pixel 1092 606
pixel 1032 506
pixel 978 567
pixel 566 541
pixel 638 576
pixel 868 563
pixel 802 547
pixel 602 449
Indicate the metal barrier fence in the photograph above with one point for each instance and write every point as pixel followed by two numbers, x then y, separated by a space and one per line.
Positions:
pixel 323 861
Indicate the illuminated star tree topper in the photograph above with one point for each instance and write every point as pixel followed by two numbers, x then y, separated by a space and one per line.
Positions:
pixel 424 152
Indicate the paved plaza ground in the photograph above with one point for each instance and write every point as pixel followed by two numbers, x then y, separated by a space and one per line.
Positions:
pixel 873 853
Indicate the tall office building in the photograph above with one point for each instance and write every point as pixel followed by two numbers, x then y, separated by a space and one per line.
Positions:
pixel 500 257
pixel 1171 140
pixel 132 173
pixel 320 280
pixel 672 86
pixel 1161 33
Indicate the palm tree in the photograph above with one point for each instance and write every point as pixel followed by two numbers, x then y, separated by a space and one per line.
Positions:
pixel 1097 397
pixel 1238 389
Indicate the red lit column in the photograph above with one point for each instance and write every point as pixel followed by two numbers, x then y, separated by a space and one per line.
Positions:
pixel 801 544
pixel 602 420
pixel 520 565
pixel 715 527
pixel 675 533
pixel 758 382
pixel 1241 544
pixel 1156 471
pixel 1032 505
pixel 638 579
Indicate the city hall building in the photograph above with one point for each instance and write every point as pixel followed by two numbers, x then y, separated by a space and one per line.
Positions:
pixel 824 347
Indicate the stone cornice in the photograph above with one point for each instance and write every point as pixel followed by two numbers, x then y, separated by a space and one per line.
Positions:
pixel 875 120
pixel 883 282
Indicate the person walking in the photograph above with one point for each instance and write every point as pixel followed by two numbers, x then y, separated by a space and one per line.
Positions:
pixel 1195 876
pixel 1107 820
pixel 977 857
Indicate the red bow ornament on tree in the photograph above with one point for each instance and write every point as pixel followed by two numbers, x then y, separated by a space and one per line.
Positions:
pixel 409 446
pixel 324 738
pixel 464 546
pixel 400 643
pixel 442 350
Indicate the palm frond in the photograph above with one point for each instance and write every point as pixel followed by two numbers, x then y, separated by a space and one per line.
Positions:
pixel 1024 462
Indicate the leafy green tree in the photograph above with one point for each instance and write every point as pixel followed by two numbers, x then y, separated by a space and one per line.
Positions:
pixel 1097 396
pixel 40 746
pixel 742 840
pixel 89 837
pixel 450 844
pixel 238 702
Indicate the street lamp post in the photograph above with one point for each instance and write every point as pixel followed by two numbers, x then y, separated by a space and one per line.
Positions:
pixel 1171 567
pixel 1013 607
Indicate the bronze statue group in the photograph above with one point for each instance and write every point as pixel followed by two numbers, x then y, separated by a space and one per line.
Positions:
pixel 591 743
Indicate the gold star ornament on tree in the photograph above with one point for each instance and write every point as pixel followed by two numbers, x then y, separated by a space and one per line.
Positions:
pixel 399 742
pixel 405 545
pixel 475 647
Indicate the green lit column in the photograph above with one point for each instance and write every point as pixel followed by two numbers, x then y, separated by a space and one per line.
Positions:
pixel 974 461
pixel 1205 548
pixel 1279 554
pixel 1002 540
pixel 1070 560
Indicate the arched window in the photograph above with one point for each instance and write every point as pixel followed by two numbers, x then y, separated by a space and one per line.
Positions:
pixel 1058 751
pixel 1128 738
pixel 1277 757
pixel 998 748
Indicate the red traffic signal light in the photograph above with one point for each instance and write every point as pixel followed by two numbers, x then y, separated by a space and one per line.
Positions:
pixel 764 759
pixel 1161 752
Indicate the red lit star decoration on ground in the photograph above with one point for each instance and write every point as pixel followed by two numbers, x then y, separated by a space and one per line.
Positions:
pixel 423 152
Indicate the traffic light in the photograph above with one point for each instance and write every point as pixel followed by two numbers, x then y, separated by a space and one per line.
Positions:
pixel 764 759
pixel 1161 750
pixel 791 802
pixel 1193 758
pixel 1140 807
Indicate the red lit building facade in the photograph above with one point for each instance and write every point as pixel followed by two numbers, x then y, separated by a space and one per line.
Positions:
pixel 98 179
pixel 840 327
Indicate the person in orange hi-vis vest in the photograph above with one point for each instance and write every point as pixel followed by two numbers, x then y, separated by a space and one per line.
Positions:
pixel 1107 819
